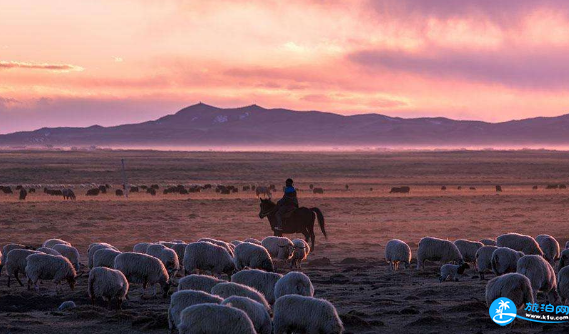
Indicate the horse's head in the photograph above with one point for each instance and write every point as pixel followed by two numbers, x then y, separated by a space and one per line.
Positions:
pixel 267 207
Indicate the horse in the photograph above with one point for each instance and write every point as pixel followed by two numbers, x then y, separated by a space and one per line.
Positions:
pixel 301 220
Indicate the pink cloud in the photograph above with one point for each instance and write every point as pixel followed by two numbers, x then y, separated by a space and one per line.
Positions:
pixel 39 66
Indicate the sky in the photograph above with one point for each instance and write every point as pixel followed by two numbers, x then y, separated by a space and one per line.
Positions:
pixel 79 62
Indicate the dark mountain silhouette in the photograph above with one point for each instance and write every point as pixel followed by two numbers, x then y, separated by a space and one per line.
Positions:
pixel 204 125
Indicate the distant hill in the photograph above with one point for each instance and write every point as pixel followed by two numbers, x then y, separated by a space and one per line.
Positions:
pixel 205 125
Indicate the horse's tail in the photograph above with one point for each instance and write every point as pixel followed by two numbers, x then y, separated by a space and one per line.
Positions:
pixel 320 218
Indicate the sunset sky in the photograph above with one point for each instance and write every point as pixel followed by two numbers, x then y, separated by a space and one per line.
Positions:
pixel 78 63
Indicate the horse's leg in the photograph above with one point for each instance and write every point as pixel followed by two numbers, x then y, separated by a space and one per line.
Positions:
pixel 313 237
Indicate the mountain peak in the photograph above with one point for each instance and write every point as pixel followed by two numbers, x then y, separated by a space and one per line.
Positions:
pixel 202 125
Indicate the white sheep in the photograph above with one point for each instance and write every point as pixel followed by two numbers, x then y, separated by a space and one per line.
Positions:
pixel 260 280
pixel 280 248
pixel 306 315
pixel 513 286
pixel 198 282
pixel 145 269
pixel 519 242
pixel 180 248
pixel 567 244
pixel 452 271
pixel 95 247
pixel 214 319
pixel 228 289
pixel 5 250
pixel 228 247
pixel 167 255
pixel 488 242
pixel 49 251
pixel 300 253
pixel 504 260
pixel 255 311
pixel 205 256
pixel 141 247
pixel 16 263
pixel 109 284
pixel 105 257
pixel 294 283
pixel 484 260
pixel 549 246
pixel 50 267
pixel 468 249
pixel 563 284
pixel 253 241
pixel 435 249
pixel 236 242
pixel 70 252
pixel 563 259
pixel 541 276
pixel 253 256
pixel 397 251
pixel 49 243
pixel 186 298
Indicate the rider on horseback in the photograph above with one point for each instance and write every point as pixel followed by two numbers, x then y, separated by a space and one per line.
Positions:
pixel 286 204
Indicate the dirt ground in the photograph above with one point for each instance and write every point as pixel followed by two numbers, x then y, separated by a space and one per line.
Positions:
pixel 348 269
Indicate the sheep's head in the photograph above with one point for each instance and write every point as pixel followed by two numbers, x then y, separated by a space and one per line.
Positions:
pixel 285 251
pixel 165 289
pixel 267 265
pixel 463 267
pixel 71 280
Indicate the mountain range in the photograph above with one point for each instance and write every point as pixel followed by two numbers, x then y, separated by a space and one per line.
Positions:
pixel 202 125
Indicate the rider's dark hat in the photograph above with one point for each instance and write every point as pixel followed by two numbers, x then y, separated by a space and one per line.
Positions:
pixel 288 181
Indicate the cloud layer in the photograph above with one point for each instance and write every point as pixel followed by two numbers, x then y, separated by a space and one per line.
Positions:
pixel 478 59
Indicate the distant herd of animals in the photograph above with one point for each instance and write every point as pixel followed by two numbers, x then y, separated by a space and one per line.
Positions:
pixel 211 286
pixel 96 190
pixel 522 265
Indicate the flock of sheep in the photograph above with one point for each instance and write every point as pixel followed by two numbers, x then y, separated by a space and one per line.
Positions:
pixel 523 265
pixel 252 299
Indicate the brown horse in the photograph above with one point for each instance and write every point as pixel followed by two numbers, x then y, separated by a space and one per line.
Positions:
pixel 300 220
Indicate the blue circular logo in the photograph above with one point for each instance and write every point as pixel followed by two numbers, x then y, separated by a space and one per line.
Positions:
pixel 503 311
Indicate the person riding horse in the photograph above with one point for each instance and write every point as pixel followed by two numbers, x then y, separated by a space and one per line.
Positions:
pixel 288 203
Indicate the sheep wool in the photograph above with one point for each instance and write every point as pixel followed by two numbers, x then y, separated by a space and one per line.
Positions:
pixel 228 289
pixel 198 282
pixel 70 252
pixel 255 311
pixel 435 249
pixel 260 280
pixel 105 257
pixel 397 251
pixel 143 268
pixel 109 284
pixel 541 276
pixel 205 256
pixel 294 283
pixel 214 319
pixel 305 314
pixel 519 242
pixel 253 256
pixel 468 249
pixel 50 267
pixel 186 298
pixel 484 260
pixel 550 247
pixel 505 260
pixel 16 263
pixel 513 286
